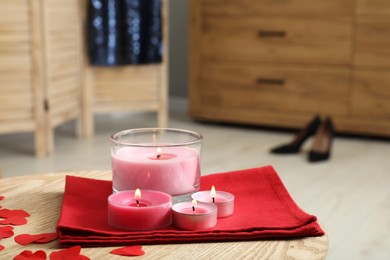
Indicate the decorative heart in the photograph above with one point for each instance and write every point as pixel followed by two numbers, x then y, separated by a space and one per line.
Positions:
pixel 6 231
pixel 29 255
pixel 8 213
pixel 46 238
pixel 129 251
pixel 25 239
pixel 2 197
pixel 72 253
pixel 15 220
pixel 1 247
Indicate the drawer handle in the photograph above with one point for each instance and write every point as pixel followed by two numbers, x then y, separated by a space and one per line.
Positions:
pixel 272 34
pixel 268 81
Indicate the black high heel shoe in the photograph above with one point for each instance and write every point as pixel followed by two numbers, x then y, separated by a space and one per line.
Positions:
pixel 300 138
pixel 322 143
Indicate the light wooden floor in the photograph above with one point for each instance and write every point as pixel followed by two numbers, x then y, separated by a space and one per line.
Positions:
pixel 350 194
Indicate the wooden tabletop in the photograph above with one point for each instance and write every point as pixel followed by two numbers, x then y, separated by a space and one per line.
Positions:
pixel 41 196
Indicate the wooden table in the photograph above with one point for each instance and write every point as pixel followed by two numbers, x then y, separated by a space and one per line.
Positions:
pixel 41 195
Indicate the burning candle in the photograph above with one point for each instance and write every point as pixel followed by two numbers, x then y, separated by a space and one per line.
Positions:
pixel 133 210
pixel 222 199
pixel 166 160
pixel 194 216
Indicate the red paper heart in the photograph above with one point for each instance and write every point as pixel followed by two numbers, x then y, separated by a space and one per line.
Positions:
pixel 8 213
pixel 15 220
pixel 72 253
pixel 28 255
pixel 2 197
pixel 6 231
pixel 25 239
pixel 46 238
pixel 129 251
pixel 1 247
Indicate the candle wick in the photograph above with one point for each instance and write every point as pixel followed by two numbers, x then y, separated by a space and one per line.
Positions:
pixel 193 209
pixel 158 156
pixel 137 203
pixel 213 200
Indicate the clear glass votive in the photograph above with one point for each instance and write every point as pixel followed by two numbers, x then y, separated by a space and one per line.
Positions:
pixel 162 159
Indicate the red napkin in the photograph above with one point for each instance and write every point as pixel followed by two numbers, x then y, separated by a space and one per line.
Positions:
pixel 263 209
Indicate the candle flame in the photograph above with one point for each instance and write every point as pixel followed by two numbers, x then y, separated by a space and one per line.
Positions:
pixel 137 194
pixel 158 152
pixel 213 193
pixel 194 203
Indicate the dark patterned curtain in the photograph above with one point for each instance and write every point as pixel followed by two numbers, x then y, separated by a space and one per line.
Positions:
pixel 122 32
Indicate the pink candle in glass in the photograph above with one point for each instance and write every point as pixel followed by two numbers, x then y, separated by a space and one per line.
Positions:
pixel 194 216
pixel 222 199
pixel 148 210
pixel 174 170
pixel 162 159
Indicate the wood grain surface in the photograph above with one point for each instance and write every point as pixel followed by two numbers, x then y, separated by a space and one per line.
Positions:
pixel 41 196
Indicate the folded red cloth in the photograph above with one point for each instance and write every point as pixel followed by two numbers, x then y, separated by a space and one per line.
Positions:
pixel 263 209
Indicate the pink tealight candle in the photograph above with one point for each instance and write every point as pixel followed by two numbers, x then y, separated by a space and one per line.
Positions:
pixel 194 216
pixel 222 199
pixel 133 210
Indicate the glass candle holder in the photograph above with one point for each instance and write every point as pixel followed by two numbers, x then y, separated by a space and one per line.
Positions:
pixel 162 159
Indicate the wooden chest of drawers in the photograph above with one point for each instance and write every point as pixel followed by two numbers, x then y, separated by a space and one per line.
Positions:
pixel 278 63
